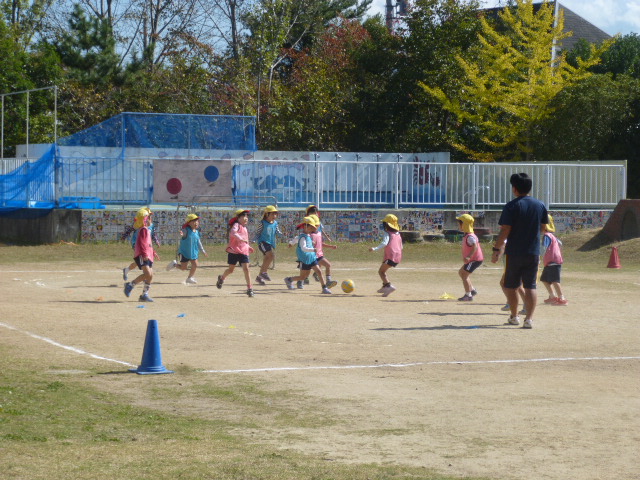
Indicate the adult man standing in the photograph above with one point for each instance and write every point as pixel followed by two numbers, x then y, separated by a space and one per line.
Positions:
pixel 520 224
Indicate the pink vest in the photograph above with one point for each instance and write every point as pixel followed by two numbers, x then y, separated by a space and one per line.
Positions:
pixel 393 249
pixel 316 238
pixel 553 253
pixel 235 244
pixel 467 249
pixel 143 245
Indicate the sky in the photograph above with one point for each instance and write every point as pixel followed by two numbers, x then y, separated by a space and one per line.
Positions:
pixel 612 16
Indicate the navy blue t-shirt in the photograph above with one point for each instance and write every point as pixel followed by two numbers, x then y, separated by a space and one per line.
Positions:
pixel 524 215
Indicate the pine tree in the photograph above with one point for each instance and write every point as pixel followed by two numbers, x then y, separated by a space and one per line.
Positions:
pixel 511 81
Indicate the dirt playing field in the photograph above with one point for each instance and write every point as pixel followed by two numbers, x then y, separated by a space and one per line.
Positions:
pixel 408 379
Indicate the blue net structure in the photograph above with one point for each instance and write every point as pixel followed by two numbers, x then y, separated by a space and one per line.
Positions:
pixel 114 160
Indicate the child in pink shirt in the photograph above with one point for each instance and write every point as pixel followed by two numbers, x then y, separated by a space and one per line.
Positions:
pixel 143 256
pixel 472 256
pixel 238 249
pixel 392 243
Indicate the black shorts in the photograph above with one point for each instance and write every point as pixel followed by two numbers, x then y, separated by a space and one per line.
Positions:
pixel 308 266
pixel 390 263
pixel 471 266
pixel 521 269
pixel 237 258
pixel 551 274
pixel 184 259
pixel 141 263
pixel 265 247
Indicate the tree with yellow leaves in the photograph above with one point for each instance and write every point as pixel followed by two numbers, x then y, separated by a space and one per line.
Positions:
pixel 511 80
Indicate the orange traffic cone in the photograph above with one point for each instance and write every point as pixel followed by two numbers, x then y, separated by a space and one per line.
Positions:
pixel 614 260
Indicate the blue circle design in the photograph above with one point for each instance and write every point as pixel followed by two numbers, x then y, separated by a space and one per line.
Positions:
pixel 211 173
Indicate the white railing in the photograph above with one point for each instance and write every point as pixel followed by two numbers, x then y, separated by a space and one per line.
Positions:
pixel 356 184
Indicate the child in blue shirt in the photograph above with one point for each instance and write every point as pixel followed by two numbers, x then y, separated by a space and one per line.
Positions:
pixel 190 247
pixel 266 239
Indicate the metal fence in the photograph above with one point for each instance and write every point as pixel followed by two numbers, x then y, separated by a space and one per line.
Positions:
pixel 355 184
pixel 418 184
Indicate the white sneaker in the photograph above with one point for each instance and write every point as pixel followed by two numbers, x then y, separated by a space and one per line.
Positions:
pixel 514 320
pixel 388 290
pixel 190 280
pixel 381 289
pixel 172 265
pixel 528 323
pixel 506 307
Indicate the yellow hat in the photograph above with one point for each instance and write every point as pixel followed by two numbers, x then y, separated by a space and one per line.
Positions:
pixel 392 221
pixel 191 217
pixel 551 227
pixel 316 219
pixel 467 222
pixel 270 209
pixel 140 216
pixel 240 211
pixel 308 221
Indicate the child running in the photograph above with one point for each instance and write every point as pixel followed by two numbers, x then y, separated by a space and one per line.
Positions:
pixel 130 230
pixel 314 210
pixel 552 260
pixel 306 254
pixel 392 243
pixel 144 255
pixel 472 256
pixel 266 239
pixel 319 245
pixel 190 246
pixel 238 249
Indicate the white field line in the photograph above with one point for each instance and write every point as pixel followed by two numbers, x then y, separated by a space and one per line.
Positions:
pixel 66 347
pixel 417 364
pixel 336 367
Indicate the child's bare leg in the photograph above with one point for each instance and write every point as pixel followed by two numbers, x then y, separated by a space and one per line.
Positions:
pixel 382 271
pixel 558 290
pixel 327 267
pixel 247 274
pixel 132 266
pixel 547 285
pixel 182 266
pixel 266 261
pixel 303 274
pixel 318 271
pixel 466 283
pixel 194 267
pixel 228 271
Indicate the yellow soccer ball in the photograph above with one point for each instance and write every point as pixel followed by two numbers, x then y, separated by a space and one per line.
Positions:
pixel 348 286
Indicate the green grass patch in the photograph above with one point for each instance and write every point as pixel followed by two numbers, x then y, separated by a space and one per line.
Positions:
pixel 65 428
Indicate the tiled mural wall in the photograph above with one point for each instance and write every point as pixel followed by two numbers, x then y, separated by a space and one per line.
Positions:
pixel 342 226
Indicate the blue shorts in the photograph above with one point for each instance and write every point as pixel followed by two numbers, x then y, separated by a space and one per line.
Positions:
pixel 237 258
pixel 521 269
pixel 141 263
pixel 265 247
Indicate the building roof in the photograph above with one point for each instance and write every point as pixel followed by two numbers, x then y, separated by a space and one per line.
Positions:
pixel 581 28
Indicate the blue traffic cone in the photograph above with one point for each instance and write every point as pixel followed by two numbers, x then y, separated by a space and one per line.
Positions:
pixel 151 355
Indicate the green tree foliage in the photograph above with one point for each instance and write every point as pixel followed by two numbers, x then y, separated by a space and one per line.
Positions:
pixel 595 119
pixel 511 80
pixel 88 50
pixel 623 57
pixel 312 110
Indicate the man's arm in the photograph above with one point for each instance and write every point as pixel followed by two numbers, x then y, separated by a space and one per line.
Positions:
pixel 500 241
